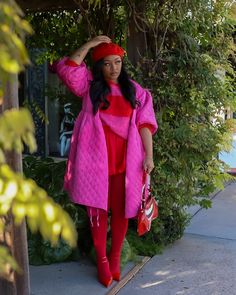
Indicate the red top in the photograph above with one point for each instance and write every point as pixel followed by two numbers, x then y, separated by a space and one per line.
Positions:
pixel 116 145
pixel 71 63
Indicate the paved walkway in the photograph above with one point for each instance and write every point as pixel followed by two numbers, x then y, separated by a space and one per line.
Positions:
pixel 203 262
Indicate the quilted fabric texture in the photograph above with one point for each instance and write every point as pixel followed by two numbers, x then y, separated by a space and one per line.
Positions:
pixel 86 177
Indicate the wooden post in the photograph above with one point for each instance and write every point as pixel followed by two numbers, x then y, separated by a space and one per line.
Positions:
pixel 17 244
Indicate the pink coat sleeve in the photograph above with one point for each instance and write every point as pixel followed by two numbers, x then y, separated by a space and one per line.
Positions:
pixel 77 79
pixel 145 112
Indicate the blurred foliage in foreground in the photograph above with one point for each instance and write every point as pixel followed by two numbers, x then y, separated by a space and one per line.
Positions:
pixel 19 196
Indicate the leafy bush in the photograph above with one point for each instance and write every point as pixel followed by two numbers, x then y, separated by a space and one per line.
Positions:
pixel 188 69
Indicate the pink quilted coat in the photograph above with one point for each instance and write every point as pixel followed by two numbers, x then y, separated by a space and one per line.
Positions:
pixel 86 178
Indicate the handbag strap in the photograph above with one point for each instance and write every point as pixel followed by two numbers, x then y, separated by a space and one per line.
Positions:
pixel 146 190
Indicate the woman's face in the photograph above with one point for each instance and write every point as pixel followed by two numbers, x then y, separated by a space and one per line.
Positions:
pixel 112 67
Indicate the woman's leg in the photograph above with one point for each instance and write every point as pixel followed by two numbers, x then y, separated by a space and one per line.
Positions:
pixel 119 224
pixel 67 146
pixel 99 235
pixel 62 145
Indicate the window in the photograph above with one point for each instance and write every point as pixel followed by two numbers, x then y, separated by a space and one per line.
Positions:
pixel 53 107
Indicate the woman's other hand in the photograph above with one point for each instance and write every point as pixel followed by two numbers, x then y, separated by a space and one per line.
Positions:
pixel 148 164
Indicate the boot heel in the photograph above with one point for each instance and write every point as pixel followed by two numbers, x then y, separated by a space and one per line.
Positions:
pixel 116 276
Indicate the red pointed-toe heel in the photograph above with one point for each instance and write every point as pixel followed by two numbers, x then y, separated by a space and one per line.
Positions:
pixel 115 267
pixel 104 274
pixel 105 281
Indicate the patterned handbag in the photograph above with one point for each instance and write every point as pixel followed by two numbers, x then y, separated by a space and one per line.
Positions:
pixel 149 208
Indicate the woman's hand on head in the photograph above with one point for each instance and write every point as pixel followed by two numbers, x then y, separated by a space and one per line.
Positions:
pixel 98 40
pixel 148 164
pixel 79 55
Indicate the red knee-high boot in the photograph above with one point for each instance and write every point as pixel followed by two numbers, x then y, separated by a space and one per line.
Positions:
pixel 119 224
pixel 99 234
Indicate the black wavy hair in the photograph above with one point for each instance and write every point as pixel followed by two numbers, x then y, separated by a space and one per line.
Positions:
pixel 99 88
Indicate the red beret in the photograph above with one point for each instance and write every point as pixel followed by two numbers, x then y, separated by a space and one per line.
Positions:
pixel 105 49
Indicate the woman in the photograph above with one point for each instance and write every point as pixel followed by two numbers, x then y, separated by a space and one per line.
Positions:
pixel 111 146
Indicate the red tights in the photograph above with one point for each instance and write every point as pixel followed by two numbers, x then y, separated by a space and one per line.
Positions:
pixel 109 268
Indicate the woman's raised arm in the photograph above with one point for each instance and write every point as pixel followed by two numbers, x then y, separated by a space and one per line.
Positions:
pixel 79 55
pixel 73 71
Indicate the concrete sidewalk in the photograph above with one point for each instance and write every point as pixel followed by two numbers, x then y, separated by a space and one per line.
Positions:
pixel 72 278
pixel 203 262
